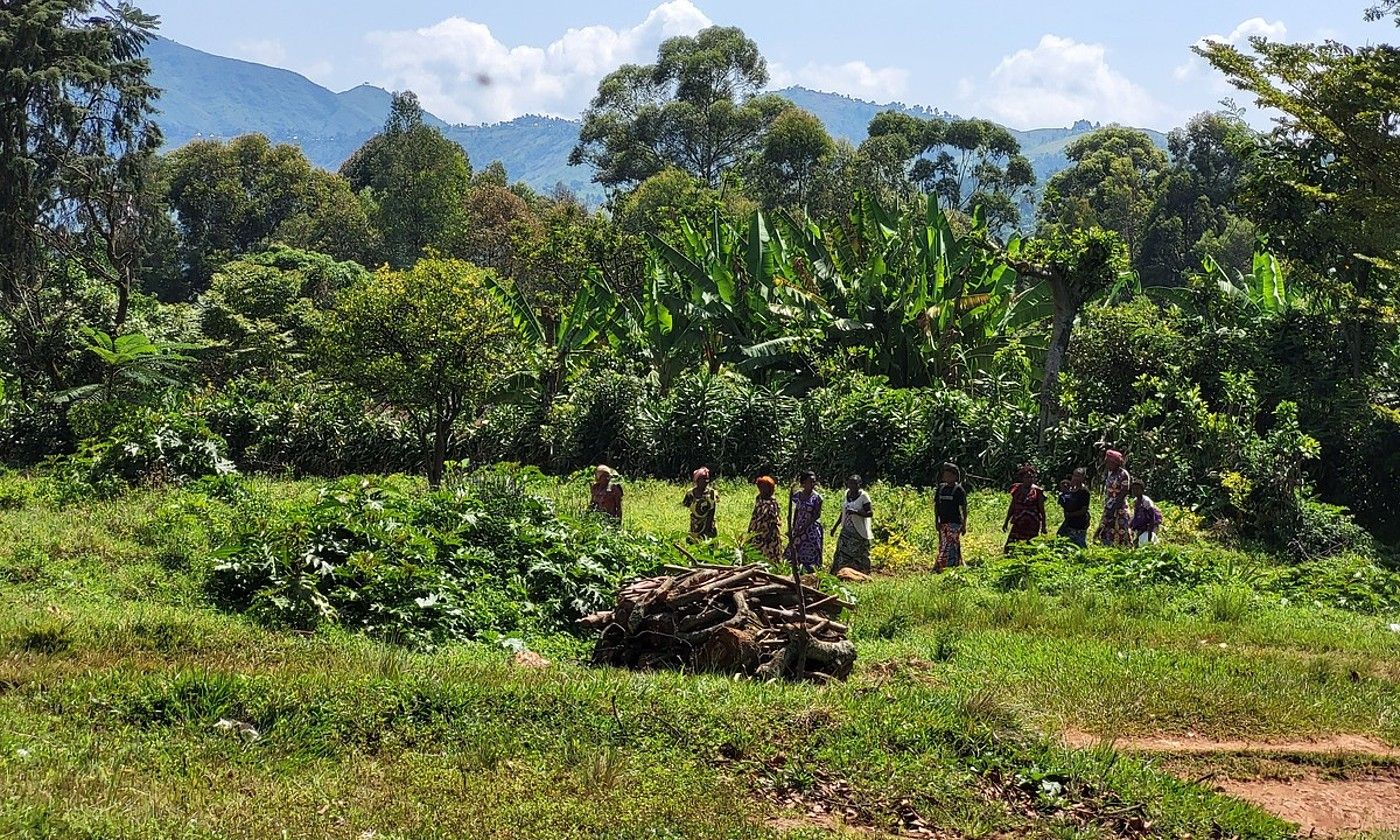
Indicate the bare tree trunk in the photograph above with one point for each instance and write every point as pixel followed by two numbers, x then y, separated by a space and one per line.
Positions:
pixel 437 459
pixel 123 306
pixel 1067 307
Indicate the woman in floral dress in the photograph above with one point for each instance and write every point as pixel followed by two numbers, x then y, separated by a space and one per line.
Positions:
pixel 805 536
pixel 1115 528
pixel 766 524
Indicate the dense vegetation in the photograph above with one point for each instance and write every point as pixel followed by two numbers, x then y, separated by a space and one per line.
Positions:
pixel 755 296
pixel 218 367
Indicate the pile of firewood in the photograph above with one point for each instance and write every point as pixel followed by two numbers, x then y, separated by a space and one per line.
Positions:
pixel 725 619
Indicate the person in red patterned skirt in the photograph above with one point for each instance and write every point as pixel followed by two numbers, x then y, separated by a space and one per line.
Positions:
pixel 950 515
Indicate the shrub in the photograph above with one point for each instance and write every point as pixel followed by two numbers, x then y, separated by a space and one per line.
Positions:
pixel 481 558
pixel 722 421
pixel 508 432
pixel 306 427
pixel 154 447
pixel 602 421
pixel 1322 530
pixel 856 425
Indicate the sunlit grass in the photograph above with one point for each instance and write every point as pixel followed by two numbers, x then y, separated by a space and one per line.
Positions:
pixel 115 671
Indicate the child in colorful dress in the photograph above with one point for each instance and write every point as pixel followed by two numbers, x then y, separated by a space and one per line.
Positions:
pixel 1147 517
pixel 703 501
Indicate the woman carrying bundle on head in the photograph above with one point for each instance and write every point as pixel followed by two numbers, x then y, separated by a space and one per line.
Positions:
pixel 766 524
pixel 1025 516
pixel 805 536
pixel 1116 527
pixel 853 546
pixel 703 500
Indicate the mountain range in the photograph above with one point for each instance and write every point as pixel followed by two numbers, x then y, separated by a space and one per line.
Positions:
pixel 210 96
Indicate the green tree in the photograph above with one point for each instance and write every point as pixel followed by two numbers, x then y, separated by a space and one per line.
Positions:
pixel 697 109
pixel 261 308
pixel 428 342
pixel 237 197
pixel 503 231
pixel 793 155
pixel 658 204
pixel 1326 186
pixel 1077 265
pixel 1113 182
pixel 966 163
pixel 75 134
pixel 416 182
pixel 1197 212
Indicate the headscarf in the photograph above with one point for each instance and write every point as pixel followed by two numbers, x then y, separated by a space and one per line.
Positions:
pixel 1114 457
pixel 604 468
pixel 702 473
pixel 766 482
pixel 1026 470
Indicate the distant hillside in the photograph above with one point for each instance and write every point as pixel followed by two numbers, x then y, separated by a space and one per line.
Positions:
pixel 533 149
pixel 847 118
pixel 210 96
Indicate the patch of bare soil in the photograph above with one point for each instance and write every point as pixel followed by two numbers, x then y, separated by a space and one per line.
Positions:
pixel 1326 807
pixel 1190 743
pixel 1322 805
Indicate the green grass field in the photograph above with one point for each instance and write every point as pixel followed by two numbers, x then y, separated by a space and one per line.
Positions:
pixel 115 673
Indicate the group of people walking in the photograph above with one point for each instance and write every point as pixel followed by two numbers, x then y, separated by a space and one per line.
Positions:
pixel 1129 517
pixel 1121 525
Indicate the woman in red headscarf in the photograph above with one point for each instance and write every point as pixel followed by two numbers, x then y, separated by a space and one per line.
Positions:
pixel 1115 527
pixel 1025 516
pixel 766 524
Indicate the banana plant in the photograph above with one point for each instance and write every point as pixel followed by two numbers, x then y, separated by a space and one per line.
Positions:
pixel 723 295
pixel 919 302
pixel 1264 290
pixel 555 343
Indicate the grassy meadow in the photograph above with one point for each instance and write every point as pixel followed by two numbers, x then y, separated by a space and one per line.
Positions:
pixel 130 706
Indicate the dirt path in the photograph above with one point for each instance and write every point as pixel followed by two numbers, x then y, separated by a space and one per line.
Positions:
pixel 1321 805
pixel 1322 745
pixel 1326 807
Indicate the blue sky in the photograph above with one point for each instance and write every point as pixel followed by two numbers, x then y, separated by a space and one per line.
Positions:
pixel 1027 64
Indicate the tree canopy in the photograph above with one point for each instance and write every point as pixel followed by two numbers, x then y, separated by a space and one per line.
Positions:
pixel 966 163
pixel 77 131
pixel 415 183
pixel 697 109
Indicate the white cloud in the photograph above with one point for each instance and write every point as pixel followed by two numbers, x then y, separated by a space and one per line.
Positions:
pixel 853 78
pixel 463 73
pixel 1239 36
pixel 273 53
pixel 269 51
pixel 1059 81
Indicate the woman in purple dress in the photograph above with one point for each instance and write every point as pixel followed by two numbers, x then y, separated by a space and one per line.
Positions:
pixel 805 536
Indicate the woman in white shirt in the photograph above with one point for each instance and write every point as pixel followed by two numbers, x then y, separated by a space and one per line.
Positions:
pixel 853 546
